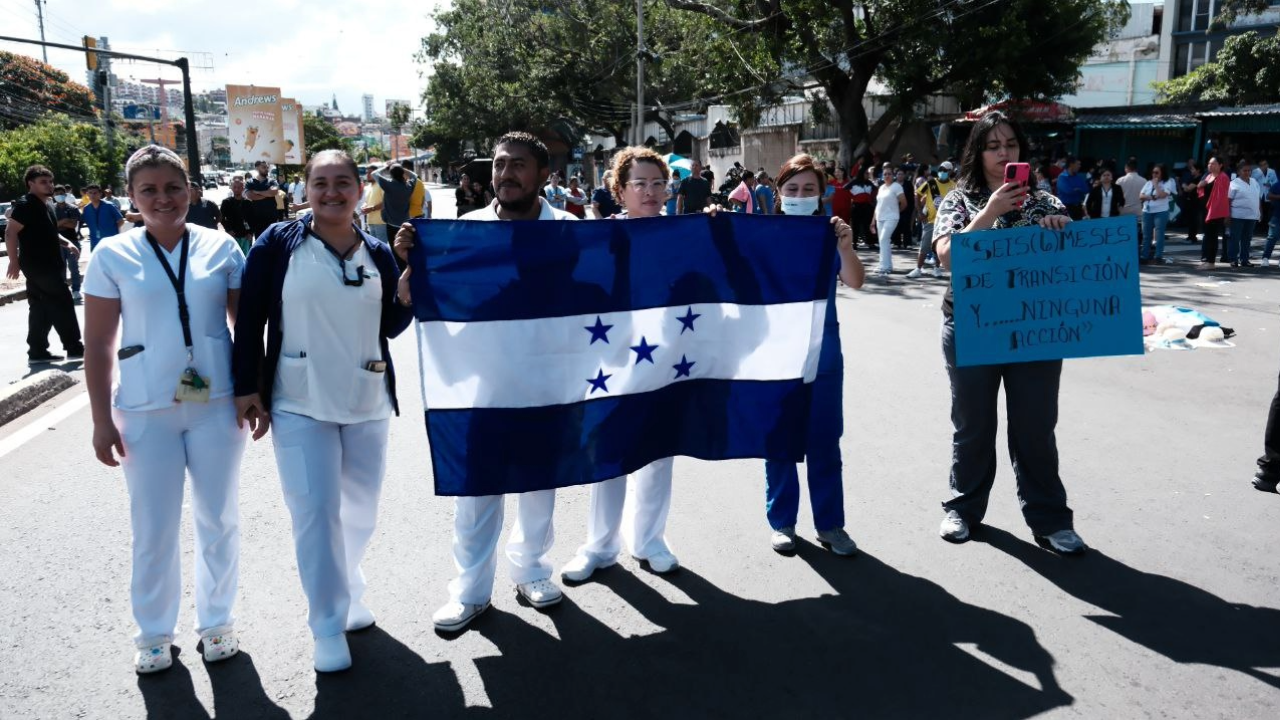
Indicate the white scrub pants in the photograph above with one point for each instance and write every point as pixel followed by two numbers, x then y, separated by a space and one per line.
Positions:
pixel 884 230
pixel 477 527
pixel 634 512
pixel 161 447
pixel 332 476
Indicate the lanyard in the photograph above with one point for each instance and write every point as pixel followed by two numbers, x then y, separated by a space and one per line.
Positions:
pixel 179 284
pixel 342 259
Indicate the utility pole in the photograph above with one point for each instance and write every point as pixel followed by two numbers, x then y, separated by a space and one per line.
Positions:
pixel 639 72
pixel 40 19
pixel 104 65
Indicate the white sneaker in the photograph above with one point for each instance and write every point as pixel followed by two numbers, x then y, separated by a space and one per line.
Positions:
pixel 663 562
pixel 359 617
pixel 783 540
pixel 581 567
pixel 838 542
pixel 153 659
pixel 915 274
pixel 540 593
pixel 1266 262
pixel 219 644
pixel 332 654
pixel 954 528
pixel 1063 542
pixel 937 271
pixel 456 615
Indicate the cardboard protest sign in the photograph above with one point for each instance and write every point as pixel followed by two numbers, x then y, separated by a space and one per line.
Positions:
pixel 295 147
pixel 254 124
pixel 1028 293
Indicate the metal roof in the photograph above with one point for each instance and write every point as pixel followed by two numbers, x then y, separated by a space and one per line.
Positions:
pixel 1133 120
pixel 1247 110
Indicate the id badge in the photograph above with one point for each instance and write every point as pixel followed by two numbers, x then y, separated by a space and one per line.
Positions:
pixel 192 387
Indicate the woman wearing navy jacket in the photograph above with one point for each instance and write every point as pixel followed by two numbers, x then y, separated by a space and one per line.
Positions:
pixel 326 292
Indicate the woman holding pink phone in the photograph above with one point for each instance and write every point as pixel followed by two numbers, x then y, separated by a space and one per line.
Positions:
pixel 992 193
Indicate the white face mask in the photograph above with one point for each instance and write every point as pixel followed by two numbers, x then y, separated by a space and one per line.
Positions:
pixel 800 206
pixel 943 175
pixel 60 198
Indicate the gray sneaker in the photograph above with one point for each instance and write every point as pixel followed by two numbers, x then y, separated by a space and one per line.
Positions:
pixel 1063 542
pixel 838 542
pixel 784 540
pixel 954 528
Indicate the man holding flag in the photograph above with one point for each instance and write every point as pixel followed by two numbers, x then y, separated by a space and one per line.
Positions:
pixel 521 165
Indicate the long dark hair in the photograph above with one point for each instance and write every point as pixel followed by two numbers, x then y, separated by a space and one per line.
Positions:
pixel 972 178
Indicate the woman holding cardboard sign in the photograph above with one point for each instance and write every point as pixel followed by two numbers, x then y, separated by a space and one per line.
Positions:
pixel 984 201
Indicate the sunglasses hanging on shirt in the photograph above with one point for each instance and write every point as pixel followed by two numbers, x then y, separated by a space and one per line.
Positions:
pixel 360 272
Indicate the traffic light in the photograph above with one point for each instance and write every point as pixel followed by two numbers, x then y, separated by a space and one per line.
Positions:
pixel 90 57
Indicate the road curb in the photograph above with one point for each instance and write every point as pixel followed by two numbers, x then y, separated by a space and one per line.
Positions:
pixel 12 296
pixel 23 396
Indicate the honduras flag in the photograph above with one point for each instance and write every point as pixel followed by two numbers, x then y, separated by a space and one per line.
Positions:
pixel 562 353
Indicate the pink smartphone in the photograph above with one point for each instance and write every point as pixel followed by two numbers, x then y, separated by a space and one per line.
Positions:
pixel 1018 173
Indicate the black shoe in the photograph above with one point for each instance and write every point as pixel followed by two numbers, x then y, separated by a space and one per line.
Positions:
pixel 1246 263
pixel 76 353
pixel 1263 484
pixel 44 358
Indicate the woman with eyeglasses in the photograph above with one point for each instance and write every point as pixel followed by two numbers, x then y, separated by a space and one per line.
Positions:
pixel 640 178
pixel 1156 196
pixel 325 384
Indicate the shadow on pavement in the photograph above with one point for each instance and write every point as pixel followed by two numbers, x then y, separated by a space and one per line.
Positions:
pixel 387 680
pixel 883 646
pixel 1168 616
pixel 171 694
pixel 238 692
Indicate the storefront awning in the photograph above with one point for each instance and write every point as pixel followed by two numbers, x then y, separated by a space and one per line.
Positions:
pixel 1135 122
pixel 1246 118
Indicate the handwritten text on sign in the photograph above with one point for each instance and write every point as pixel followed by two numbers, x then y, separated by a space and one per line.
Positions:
pixel 1029 293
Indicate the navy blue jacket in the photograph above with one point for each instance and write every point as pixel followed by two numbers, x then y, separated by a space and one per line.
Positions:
pixel 260 304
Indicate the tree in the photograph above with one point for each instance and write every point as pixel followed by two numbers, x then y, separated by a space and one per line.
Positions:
pixel 322 135
pixel 30 88
pixel 975 49
pixel 1243 73
pixel 526 64
pixel 76 152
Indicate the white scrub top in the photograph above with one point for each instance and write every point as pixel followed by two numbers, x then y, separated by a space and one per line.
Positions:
pixel 331 334
pixel 125 268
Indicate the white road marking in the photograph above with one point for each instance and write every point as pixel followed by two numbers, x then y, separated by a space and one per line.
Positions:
pixel 44 424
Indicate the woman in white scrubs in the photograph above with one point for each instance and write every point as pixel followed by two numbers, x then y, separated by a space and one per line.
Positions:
pixel 640 178
pixel 324 383
pixel 169 288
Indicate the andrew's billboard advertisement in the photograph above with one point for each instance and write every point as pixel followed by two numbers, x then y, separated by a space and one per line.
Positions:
pixel 255 124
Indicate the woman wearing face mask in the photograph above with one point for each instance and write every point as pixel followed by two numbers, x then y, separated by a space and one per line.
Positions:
pixel 631 508
pixel 169 289
pixel 801 187
pixel 984 201
pixel 326 294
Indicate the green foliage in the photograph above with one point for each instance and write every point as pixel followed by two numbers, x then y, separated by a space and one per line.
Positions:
pixel 1243 73
pixel 526 64
pixel 76 152
pixel 322 135
pixel 1231 10
pixel 30 88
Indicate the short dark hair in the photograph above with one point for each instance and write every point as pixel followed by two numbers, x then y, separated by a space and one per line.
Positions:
pixel 748 175
pixel 92 186
pixel 971 177
pixel 397 173
pixel 535 146
pixel 36 171
pixel 1131 164
pixel 406 164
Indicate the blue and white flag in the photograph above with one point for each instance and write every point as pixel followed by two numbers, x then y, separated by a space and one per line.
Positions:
pixel 562 353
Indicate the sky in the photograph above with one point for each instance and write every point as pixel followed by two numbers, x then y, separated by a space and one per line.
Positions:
pixel 311 49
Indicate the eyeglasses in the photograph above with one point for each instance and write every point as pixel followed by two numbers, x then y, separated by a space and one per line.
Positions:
pixel 642 186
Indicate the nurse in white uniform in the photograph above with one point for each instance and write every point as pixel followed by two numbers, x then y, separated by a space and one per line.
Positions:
pixel 325 291
pixel 636 511
pixel 168 289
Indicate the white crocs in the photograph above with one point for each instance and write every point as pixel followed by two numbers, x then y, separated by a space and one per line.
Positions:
pixel 153 659
pixel 219 644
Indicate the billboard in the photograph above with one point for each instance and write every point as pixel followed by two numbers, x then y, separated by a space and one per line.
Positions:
pixel 254 124
pixel 295 148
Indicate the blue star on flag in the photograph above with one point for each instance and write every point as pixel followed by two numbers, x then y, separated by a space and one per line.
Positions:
pixel 683 367
pixel 599 331
pixel 598 383
pixel 644 351
pixel 687 320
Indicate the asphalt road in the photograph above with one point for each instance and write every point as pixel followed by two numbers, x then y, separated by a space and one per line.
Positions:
pixel 1173 614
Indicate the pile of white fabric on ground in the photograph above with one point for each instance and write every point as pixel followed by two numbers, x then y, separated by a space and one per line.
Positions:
pixel 1169 327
